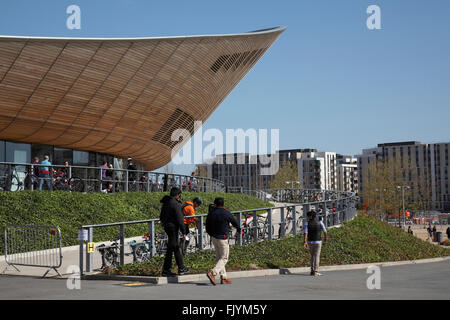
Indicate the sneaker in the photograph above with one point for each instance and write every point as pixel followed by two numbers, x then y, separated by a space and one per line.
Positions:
pixel 183 271
pixel 312 273
pixel 225 281
pixel 168 273
pixel 317 274
pixel 211 278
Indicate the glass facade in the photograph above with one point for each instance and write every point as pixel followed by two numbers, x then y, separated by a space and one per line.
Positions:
pixel 25 152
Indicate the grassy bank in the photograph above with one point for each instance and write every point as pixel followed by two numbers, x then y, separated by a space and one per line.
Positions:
pixel 363 240
pixel 69 211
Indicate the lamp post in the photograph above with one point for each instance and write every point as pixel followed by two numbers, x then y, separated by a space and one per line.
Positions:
pixel 403 204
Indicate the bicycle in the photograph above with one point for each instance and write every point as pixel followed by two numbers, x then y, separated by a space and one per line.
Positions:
pixel 10 181
pixel 289 223
pixel 110 254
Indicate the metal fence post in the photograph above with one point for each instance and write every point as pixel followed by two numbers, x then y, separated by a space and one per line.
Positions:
pixel 269 221
pixel 122 244
pixel 126 181
pixel 282 223
pixel 240 224
pixel 200 229
pixel 81 262
pixel 89 255
pixel 151 231
pixel 255 226
pixel 100 180
pixel 294 220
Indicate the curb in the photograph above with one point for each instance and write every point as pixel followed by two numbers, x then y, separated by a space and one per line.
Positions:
pixel 254 273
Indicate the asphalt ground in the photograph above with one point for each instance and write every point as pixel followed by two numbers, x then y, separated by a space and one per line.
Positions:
pixel 427 281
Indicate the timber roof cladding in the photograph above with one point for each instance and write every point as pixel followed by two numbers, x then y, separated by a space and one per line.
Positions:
pixel 123 97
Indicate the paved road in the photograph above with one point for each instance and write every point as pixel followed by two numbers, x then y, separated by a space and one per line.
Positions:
pixel 422 281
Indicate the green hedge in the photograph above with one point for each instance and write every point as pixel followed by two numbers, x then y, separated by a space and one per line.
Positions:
pixel 69 211
pixel 362 240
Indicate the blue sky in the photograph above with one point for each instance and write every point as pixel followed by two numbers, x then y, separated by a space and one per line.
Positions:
pixel 328 82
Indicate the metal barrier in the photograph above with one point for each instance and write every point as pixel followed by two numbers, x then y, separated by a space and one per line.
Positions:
pixel 334 208
pixel 25 176
pixel 34 246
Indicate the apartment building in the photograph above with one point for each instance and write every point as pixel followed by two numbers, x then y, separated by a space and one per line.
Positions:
pixel 424 167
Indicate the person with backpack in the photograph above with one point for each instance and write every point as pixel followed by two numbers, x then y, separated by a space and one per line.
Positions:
pixel 172 220
pixel 313 229
pixel 218 227
pixel 188 209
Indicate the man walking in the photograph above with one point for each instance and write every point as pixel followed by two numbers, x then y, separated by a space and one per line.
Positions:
pixel 172 221
pixel 44 173
pixel 218 227
pixel 313 238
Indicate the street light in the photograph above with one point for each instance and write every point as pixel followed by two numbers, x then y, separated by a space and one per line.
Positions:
pixel 403 203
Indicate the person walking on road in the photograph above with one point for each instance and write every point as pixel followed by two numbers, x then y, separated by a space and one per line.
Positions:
pixel 218 227
pixel 172 220
pixel 313 238
pixel 448 233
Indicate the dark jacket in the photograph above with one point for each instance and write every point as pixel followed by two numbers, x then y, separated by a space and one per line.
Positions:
pixel 171 215
pixel 218 223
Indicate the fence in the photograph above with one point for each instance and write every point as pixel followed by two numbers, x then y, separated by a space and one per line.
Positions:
pixel 333 208
pixel 35 246
pixel 25 176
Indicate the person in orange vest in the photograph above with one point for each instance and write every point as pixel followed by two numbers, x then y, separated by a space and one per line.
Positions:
pixel 188 209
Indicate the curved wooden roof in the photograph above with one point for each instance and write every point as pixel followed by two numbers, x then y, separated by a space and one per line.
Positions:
pixel 123 97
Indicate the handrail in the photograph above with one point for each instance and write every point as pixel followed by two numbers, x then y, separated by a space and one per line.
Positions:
pixel 344 205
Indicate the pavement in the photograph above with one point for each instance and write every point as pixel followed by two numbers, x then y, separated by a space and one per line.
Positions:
pixel 424 281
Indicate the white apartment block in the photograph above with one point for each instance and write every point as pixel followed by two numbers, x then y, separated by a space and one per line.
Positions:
pixel 317 170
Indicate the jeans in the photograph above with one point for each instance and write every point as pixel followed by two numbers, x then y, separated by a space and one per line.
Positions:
pixel 173 247
pixel 46 177
pixel 314 249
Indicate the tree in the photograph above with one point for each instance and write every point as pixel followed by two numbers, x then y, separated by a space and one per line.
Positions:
pixel 288 172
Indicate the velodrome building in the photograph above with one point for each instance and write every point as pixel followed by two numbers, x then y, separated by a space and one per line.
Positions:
pixel 82 99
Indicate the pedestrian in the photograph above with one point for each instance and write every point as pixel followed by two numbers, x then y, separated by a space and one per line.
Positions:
pixel 313 238
pixel 172 220
pixel 35 168
pixel 448 233
pixel 410 230
pixel 44 173
pixel 218 227
pixel 430 232
pixel 188 209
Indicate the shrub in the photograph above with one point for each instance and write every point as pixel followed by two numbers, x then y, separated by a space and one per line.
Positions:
pixel 70 211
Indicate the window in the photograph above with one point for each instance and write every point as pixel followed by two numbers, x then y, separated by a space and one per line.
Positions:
pixel 2 151
pixel 40 150
pixel 61 155
pixel 80 158
pixel 18 152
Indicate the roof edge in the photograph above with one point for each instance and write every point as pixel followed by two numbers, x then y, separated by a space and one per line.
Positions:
pixel 256 32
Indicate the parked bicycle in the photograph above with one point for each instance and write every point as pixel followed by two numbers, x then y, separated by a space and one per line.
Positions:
pixel 110 254
pixel 289 223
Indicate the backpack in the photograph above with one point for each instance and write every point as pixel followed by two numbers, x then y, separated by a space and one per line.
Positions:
pixel 184 206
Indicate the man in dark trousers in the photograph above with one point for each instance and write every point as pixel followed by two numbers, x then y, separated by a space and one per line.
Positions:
pixel 313 238
pixel 218 227
pixel 172 220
